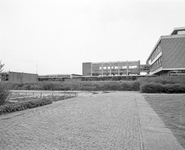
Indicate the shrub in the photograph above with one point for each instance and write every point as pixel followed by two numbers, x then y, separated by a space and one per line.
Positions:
pixel 152 88
pixel 83 85
pixel 47 86
pixel 160 88
pixel 131 86
pixel 163 80
pixel 174 88
pixel 135 86
pixel 109 86
pixel 23 105
pixel 27 86
pixel 4 93
pixel 36 87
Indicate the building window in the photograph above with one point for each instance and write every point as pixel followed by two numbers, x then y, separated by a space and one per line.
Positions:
pixel 100 68
pixel 124 67
pixel 116 67
pixel 132 67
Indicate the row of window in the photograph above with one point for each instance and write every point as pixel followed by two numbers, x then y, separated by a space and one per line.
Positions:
pixel 116 67
pixel 156 52
pixel 114 74
pixel 157 63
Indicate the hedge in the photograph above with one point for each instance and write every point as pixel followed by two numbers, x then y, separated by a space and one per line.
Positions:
pixel 160 88
pixel 174 88
pixel 152 88
pixel 165 79
pixel 12 107
pixel 81 85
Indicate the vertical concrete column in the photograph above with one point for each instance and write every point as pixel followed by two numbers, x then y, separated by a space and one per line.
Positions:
pixel 118 68
pixel 102 68
pixel 127 67
pixel 139 67
pixel 91 68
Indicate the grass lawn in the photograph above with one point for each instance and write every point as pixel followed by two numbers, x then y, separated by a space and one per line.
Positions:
pixel 171 109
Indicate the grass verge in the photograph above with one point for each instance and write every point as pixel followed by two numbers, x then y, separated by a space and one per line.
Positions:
pixel 171 109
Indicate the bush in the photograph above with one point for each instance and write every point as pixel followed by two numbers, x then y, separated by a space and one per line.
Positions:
pixel 36 87
pixel 174 88
pixel 131 86
pixel 81 85
pixel 48 86
pixel 160 88
pixel 152 88
pixel 4 93
pixel 27 86
pixel 163 80
pixel 12 107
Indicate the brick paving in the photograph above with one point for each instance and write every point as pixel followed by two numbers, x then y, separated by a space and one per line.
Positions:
pixel 102 122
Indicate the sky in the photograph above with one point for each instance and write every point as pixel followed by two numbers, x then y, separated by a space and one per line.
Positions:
pixel 57 36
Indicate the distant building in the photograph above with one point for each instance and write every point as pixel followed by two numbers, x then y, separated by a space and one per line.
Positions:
pixel 112 68
pixel 19 77
pixel 57 77
pixel 168 55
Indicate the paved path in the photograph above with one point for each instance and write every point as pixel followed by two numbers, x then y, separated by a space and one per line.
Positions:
pixel 111 121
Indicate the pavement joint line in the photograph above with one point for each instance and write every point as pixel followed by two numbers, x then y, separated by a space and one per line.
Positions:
pixel 141 134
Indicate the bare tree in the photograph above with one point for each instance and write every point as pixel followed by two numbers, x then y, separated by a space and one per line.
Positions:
pixel 1 67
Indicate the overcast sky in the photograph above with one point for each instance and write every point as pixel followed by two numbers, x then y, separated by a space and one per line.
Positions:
pixel 56 36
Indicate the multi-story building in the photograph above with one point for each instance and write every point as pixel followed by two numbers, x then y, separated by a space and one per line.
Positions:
pixel 168 55
pixel 111 68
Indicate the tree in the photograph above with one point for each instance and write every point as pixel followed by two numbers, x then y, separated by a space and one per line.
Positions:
pixel 1 67
pixel 4 91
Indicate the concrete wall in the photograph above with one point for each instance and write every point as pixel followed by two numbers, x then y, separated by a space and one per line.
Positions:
pixel 18 77
pixel 173 55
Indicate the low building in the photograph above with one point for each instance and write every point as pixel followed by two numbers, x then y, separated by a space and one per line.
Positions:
pixel 19 77
pixel 57 77
pixel 168 55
